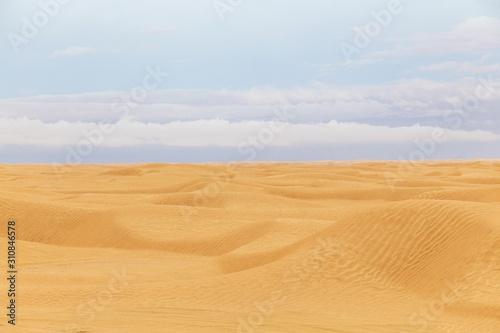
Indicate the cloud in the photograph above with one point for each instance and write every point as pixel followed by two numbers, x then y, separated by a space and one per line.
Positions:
pixel 221 133
pixel 360 62
pixel 463 68
pixel 322 70
pixel 475 35
pixel 405 102
pixel 72 51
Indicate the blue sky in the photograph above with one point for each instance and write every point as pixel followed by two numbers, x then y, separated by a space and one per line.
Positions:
pixel 217 80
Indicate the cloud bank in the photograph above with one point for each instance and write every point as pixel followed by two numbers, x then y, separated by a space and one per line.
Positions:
pixel 199 133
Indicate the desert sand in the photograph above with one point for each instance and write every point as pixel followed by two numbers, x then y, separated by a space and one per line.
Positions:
pixel 354 246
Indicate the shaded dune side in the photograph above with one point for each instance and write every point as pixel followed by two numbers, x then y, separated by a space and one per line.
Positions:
pixel 220 244
pixel 123 172
pixel 307 193
pixel 184 186
pixel 491 194
pixel 231 263
pixel 226 199
pixel 54 225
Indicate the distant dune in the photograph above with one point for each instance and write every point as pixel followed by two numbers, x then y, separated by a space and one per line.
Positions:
pixel 354 246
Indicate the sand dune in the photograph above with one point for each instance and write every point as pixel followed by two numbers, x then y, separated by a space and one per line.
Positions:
pixel 255 247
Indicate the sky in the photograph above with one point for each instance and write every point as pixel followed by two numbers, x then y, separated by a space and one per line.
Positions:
pixel 239 80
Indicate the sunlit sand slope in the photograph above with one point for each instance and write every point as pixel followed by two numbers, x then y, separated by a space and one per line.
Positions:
pixel 264 247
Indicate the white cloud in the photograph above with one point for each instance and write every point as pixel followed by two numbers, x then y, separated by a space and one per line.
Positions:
pixel 360 62
pixel 322 70
pixel 463 68
pixel 475 35
pixel 72 51
pixel 406 101
pixel 222 133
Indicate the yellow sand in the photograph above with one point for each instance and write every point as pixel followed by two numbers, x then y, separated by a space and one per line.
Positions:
pixel 262 247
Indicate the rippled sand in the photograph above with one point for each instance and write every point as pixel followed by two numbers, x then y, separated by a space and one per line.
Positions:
pixel 262 247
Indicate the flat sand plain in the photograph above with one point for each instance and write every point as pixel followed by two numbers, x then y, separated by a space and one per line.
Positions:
pixel 254 247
